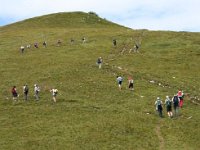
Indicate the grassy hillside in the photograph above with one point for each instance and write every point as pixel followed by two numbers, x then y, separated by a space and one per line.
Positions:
pixel 91 113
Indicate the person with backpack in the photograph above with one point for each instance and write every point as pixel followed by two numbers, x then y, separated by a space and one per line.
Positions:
pixel 130 83
pixel 44 44
pixel 119 81
pixel 25 91
pixel 22 48
pixel 159 107
pixel 180 95
pixel 54 94
pixel 36 91
pixel 168 104
pixel 114 42
pixel 36 45
pixel 99 62
pixel 14 93
pixel 176 101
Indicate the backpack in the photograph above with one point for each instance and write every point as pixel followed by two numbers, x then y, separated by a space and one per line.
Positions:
pixel 158 102
pixel 168 103
pixel 175 100
pixel 26 89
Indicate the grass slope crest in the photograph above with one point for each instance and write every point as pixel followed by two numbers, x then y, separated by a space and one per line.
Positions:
pixel 67 20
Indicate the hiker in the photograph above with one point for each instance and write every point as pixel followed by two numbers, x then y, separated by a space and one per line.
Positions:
pixel 99 62
pixel 14 93
pixel 114 42
pixel 22 48
pixel 119 81
pixel 168 104
pixel 176 101
pixel 25 91
pixel 54 94
pixel 59 42
pixel 136 47
pixel 72 41
pixel 158 104
pixel 130 83
pixel 180 95
pixel 44 44
pixel 36 91
pixel 83 40
pixel 36 45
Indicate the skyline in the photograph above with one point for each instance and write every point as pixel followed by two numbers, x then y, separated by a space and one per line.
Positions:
pixel 179 15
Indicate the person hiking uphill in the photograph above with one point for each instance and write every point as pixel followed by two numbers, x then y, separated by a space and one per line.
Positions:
pixel 14 93
pixel 168 104
pixel 176 101
pixel 36 91
pixel 159 108
pixel 99 62
pixel 54 94
pixel 119 81
pixel 25 91
pixel 130 83
pixel 180 95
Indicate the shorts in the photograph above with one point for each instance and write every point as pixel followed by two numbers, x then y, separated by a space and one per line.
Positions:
pixel 120 82
pixel 130 85
pixel 169 108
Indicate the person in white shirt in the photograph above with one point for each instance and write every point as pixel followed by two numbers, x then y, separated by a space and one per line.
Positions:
pixel 119 80
pixel 54 94
pixel 36 91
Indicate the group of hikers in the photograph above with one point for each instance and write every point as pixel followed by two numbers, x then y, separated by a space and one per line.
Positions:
pixel 44 44
pixel 176 101
pixel 36 90
pixel 130 82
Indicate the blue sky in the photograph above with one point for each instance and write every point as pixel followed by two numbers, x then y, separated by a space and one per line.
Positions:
pixel 174 15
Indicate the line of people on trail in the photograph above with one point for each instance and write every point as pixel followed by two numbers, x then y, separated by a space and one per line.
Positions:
pixel 36 90
pixel 59 43
pixel 176 101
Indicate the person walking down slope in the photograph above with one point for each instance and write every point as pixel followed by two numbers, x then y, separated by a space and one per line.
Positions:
pixel 176 101
pixel 99 62
pixel 119 81
pixel 54 94
pixel 130 83
pixel 14 93
pixel 25 91
pixel 168 104
pixel 36 91
pixel 159 108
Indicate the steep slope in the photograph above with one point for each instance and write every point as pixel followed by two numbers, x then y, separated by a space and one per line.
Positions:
pixel 91 113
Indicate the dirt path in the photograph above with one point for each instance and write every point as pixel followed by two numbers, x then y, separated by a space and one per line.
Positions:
pixel 160 137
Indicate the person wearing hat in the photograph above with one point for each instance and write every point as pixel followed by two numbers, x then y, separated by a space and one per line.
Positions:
pixel 36 91
pixel 158 104
pixel 168 104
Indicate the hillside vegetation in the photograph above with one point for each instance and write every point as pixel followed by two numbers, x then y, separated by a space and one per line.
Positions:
pixel 91 113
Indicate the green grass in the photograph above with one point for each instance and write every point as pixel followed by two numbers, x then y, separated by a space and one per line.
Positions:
pixel 90 112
